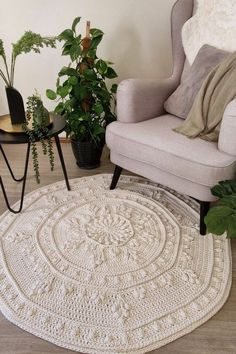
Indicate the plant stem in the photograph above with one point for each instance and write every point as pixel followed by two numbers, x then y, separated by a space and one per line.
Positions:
pixel 13 60
pixel 4 77
pixel 7 70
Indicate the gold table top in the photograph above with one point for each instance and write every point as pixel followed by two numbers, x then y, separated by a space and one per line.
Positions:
pixel 8 127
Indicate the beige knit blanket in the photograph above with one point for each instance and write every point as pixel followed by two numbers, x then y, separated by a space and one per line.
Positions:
pixel 218 89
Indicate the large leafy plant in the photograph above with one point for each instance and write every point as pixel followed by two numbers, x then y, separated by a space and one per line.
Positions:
pixel 222 217
pixel 81 91
pixel 29 42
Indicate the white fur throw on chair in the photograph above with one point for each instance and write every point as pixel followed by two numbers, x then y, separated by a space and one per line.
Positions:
pixel 214 23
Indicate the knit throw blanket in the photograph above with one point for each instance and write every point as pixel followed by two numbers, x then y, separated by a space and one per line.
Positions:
pixel 218 89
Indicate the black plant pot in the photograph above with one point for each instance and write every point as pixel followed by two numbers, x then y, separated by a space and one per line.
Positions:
pixel 87 154
pixel 16 106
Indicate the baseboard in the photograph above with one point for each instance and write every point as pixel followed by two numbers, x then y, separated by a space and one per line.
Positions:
pixel 64 139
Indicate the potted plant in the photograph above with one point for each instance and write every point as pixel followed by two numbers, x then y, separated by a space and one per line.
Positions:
pixel 36 127
pixel 222 217
pixel 29 42
pixel 82 94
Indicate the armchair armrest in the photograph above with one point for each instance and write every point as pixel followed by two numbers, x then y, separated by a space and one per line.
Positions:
pixel 227 136
pixel 141 99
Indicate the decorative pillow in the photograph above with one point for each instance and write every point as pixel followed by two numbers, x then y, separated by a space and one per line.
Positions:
pixel 181 101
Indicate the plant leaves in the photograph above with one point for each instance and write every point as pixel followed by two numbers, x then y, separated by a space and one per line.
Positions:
pixel 67 71
pixel 66 35
pixel 90 74
pixel 51 94
pixel 75 51
pixel 73 80
pixel 224 188
pixel 95 32
pixel 111 74
pixel 101 66
pixel 98 108
pixel 75 22
pixel 216 219
pixel 231 229
pixel 114 88
pixel 63 91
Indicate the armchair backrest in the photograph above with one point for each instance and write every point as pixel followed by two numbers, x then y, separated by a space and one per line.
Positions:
pixel 181 12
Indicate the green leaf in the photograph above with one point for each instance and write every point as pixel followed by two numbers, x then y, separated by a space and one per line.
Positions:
pixel 63 91
pixel 59 108
pixel 98 108
pixel 101 66
pixel 75 22
pixel 89 74
pixel 95 42
pixel 51 94
pixel 229 201
pixel 80 92
pixel 114 88
pixel 111 74
pixel 73 80
pixel 92 53
pixel 67 71
pixel 224 188
pixel 231 229
pixel 216 219
pixel 66 50
pixel 75 51
pixel 66 35
pixel 95 32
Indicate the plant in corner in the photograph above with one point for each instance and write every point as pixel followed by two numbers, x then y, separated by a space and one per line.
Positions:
pixel 222 217
pixel 29 42
pixel 36 127
pixel 83 96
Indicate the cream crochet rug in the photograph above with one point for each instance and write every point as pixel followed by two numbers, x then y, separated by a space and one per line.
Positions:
pixel 101 271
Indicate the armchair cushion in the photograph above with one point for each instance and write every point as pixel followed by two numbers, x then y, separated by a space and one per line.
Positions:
pixel 227 136
pixel 156 144
pixel 181 101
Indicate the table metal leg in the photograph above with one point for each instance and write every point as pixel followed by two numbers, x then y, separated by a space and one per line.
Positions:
pixel 22 179
pixel 9 167
pixel 58 144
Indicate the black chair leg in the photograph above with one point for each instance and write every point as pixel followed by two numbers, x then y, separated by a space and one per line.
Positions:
pixel 204 208
pixel 116 176
pixel 58 144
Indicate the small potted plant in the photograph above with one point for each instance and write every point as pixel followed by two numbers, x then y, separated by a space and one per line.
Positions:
pixel 29 42
pixel 222 217
pixel 82 94
pixel 36 127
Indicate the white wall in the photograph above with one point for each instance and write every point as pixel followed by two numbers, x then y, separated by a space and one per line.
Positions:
pixel 137 38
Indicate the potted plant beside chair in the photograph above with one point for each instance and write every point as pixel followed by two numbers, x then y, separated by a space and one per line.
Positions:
pixel 83 96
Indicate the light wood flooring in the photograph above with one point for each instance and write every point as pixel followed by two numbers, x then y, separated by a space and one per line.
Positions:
pixel 217 336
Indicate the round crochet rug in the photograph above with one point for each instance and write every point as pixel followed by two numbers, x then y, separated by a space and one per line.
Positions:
pixel 100 271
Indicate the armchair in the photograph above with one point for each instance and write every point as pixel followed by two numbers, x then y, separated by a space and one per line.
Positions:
pixel 143 140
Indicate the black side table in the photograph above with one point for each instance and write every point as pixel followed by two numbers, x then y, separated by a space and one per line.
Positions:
pixel 58 126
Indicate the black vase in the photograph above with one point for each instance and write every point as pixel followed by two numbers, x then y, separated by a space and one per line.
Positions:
pixel 87 154
pixel 16 106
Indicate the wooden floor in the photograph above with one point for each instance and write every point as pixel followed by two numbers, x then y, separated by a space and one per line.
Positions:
pixel 217 336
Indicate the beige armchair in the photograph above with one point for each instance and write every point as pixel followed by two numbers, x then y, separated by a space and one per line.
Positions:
pixel 143 140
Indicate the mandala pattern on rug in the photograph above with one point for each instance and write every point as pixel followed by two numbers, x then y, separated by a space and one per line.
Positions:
pixel 102 271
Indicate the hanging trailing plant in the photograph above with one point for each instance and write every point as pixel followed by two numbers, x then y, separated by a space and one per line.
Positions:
pixel 36 127
pixel 222 217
